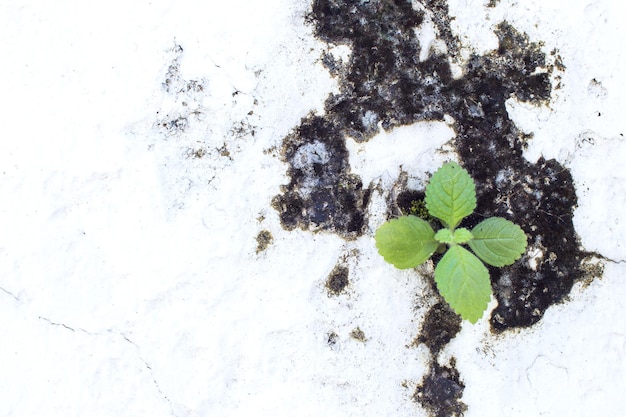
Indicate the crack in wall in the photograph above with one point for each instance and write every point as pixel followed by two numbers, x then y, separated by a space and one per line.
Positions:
pixel 9 293
pixel 65 326
pixel 127 340
pixel 148 366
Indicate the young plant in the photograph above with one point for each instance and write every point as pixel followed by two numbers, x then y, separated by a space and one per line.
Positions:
pixel 461 278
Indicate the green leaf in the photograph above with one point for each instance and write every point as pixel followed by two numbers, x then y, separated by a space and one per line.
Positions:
pixel 406 242
pixel 498 241
pixel 451 194
pixel 463 281
pixel 444 236
pixel 461 235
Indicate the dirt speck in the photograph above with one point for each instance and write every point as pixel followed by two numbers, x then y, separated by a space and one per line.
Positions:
pixel 332 340
pixel 337 280
pixel 264 239
pixel 358 334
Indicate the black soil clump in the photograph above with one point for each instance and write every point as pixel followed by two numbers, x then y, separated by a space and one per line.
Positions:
pixel 441 390
pixel 322 193
pixel 539 197
pixel 440 326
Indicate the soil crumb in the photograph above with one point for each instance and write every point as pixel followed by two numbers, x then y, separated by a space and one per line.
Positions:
pixel 264 239
pixel 358 334
pixel 337 280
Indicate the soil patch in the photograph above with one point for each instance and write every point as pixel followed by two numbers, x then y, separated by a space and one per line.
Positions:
pixel 440 326
pixel 384 85
pixel 440 391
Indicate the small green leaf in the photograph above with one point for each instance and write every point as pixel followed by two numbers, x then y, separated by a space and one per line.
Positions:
pixel 451 194
pixel 406 242
pixel 444 236
pixel 498 241
pixel 462 235
pixel 463 281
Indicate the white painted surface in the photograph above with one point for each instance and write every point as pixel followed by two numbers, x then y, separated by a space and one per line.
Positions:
pixel 130 283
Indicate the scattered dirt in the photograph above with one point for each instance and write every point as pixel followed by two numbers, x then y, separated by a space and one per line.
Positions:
pixel 385 85
pixel 188 93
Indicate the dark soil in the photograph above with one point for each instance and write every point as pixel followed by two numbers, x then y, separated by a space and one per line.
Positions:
pixel 441 388
pixel 322 193
pixel 440 326
pixel 440 391
pixel 384 85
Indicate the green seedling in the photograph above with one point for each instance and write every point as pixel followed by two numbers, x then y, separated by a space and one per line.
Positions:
pixel 461 277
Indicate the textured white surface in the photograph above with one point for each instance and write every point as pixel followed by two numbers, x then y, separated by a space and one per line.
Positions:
pixel 129 279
